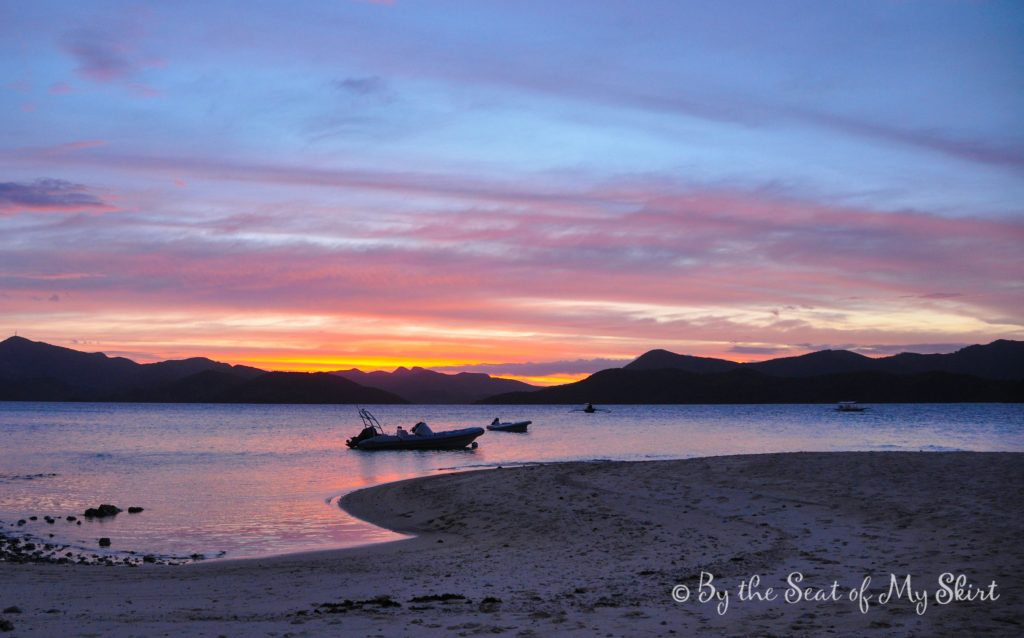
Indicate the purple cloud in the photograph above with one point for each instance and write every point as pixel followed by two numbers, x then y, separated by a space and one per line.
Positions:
pixel 47 195
pixel 755 350
pixel 109 58
pixel 368 85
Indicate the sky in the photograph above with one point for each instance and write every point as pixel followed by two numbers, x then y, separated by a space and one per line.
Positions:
pixel 530 189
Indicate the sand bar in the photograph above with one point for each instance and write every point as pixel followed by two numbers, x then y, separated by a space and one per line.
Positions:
pixel 596 549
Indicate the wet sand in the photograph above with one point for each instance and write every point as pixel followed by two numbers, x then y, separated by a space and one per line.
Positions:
pixel 596 549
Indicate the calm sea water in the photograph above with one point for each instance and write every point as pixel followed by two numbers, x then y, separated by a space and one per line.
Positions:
pixel 247 480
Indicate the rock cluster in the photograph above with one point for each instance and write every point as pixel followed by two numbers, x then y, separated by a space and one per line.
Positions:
pixel 24 547
pixel 103 511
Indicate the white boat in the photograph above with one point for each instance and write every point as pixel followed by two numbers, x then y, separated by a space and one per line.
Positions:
pixel 513 426
pixel 849 406
pixel 421 437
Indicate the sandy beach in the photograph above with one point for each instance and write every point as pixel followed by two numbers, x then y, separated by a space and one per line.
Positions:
pixel 597 549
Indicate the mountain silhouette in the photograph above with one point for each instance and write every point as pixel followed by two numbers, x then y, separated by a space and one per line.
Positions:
pixel 992 372
pixel 817 363
pixel 420 385
pixel 659 359
pixel 742 385
pixel 36 371
pixel 1000 359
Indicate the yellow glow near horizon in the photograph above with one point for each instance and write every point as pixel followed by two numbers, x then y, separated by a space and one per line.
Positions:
pixel 325 364
pixel 555 379
pixel 388 364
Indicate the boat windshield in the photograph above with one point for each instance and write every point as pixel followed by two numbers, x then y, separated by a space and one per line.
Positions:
pixel 422 429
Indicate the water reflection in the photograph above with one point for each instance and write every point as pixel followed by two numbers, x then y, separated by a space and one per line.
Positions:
pixel 253 480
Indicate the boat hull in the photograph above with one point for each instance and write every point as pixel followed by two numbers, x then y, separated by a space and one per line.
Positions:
pixel 451 440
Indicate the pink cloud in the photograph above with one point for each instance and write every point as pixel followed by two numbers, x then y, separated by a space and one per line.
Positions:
pixel 66 148
pixel 495 254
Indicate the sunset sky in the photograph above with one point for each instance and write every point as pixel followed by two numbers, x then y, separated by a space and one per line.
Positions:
pixel 531 189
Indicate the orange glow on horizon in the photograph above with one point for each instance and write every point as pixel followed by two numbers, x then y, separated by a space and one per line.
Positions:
pixel 389 364
pixel 555 379
pixel 330 364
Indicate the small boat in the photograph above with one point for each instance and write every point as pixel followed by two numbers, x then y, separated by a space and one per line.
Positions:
pixel 421 437
pixel 515 426
pixel 849 406
pixel 590 409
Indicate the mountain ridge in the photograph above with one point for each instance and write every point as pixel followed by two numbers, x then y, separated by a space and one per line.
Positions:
pixel 38 371
pixel 421 385
pixel 993 372
pixel 1000 359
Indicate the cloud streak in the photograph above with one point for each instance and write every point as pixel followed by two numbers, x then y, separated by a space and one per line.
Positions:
pixel 344 184
pixel 48 195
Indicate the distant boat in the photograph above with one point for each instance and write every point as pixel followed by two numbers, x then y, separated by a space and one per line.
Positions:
pixel 514 426
pixel 849 406
pixel 372 437
pixel 590 409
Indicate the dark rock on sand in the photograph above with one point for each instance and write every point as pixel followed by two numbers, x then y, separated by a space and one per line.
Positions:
pixel 71 518
pixel 135 510
pixel 6 625
pixel 438 598
pixel 103 511
pixel 21 522
pixel 13 609
pixel 104 542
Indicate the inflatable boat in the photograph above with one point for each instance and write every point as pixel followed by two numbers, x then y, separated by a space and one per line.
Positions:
pixel 421 437
pixel 515 426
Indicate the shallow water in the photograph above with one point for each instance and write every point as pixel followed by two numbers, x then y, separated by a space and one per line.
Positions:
pixel 248 480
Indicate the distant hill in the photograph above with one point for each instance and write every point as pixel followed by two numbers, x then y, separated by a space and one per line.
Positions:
pixel 304 387
pixel 420 385
pixel 660 359
pixel 32 370
pixel 993 372
pixel 816 364
pixel 38 368
pixel 36 371
pixel 744 385
pixel 1000 359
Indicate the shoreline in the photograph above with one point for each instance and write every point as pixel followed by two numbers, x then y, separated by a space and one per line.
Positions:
pixel 573 548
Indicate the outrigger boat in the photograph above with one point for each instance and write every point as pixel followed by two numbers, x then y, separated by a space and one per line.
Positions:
pixel 372 437
pixel 849 406
pixel 590 409
pixel 515 426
